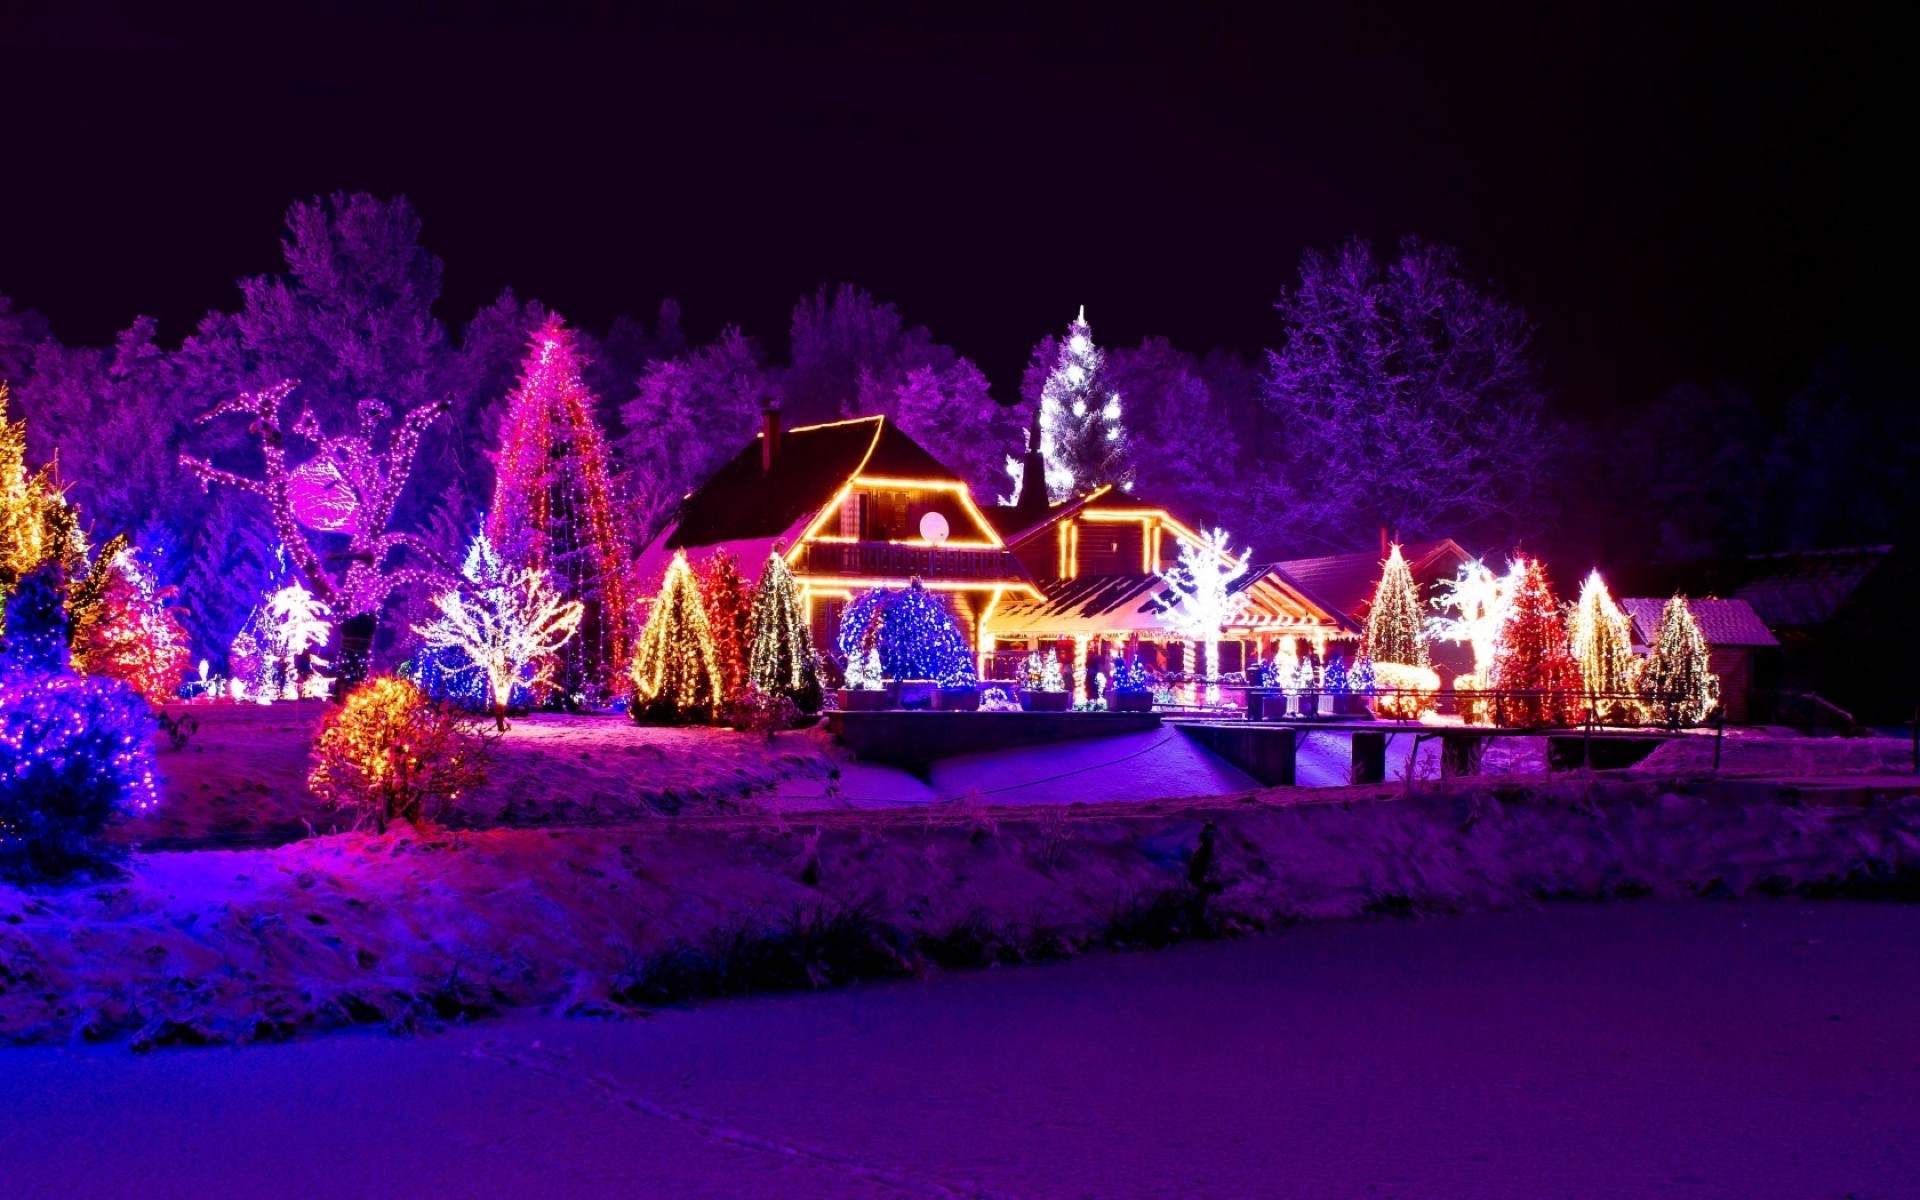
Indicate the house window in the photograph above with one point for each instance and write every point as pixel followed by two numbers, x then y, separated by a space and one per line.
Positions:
pixel 853 511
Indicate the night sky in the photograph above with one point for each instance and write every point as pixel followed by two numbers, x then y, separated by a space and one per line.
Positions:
pixel 1710 195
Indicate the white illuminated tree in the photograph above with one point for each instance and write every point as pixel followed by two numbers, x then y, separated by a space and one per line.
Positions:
pixel 294 622
pixel 1082 437
pixel 1202 602
pixel 507 621
pixel 1477 600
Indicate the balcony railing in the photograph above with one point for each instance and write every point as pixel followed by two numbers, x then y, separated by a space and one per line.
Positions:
pixel 891 561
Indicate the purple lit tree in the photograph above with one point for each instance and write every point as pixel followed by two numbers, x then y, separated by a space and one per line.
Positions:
pixel 1410 398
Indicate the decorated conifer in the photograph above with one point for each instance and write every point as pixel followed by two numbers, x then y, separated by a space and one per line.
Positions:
pixel 1601 639
pixel 1677 680
pixel 37 526
pixel 1393 620
pixel 729 619
pixel 553 508
pixel 676 670
pixel 1531 656
pixel 123 627
pixel 781 658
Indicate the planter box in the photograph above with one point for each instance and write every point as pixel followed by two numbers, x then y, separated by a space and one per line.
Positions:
pixel 861 700
pixel 1129 701
pixel 957 699
pixel 1345 706
pixel 914 693
pixel 1046 701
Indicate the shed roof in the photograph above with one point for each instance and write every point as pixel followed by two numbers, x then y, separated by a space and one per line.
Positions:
pixel 1807 587
pixel 1722 622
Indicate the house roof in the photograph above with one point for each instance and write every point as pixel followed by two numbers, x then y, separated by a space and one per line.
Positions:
pixel 742 502
pixel 1722 622
pixel 1346 581
pixel 1015 524
pixel 1097 604
pixel 1808 587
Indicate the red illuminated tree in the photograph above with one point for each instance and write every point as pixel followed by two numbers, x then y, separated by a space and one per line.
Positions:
pixel 553 509
pixel 1533 656
pixel 123 627
pixel 724 593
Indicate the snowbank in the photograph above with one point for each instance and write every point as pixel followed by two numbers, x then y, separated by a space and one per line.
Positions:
pixel 350 930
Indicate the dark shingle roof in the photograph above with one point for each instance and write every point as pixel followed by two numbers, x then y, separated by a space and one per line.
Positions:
pixel 1809 587
pixel 1722 622
pixel 743 501
pixel 1345 582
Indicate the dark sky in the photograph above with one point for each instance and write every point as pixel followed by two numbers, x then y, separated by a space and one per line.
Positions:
pixel 1709 194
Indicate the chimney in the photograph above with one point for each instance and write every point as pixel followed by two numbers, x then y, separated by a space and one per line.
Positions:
pixel 769 436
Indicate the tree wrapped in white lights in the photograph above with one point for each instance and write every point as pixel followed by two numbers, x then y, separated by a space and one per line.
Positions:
pixel 1602 638
pixel 1082 438
pixel 1201 601
pixel 508 622
pixel 1677 681
pixel 290 624
pixel 1477 600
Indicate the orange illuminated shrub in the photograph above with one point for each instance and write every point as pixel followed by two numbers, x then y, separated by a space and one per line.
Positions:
pixel 390 753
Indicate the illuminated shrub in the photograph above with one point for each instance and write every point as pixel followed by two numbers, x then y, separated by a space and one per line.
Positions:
pixel 391 753
pixel 1402 691
pixel 73 752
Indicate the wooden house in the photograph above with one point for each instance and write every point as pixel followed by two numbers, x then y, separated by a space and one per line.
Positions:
pixel 851 505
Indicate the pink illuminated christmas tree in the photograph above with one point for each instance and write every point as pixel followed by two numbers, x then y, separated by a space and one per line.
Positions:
pixel 553 509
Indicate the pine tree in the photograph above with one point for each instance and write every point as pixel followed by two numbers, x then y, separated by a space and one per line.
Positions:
pixel 553 508
pixel 1532 655
pixel 1602 642
pixel 37 526
pixel 123 628
pixel 676 670
pixel 1081 434
pixel 1200 600
pixel 1677 681
pixel 1393 621
pixel 729 619
pixel 781 660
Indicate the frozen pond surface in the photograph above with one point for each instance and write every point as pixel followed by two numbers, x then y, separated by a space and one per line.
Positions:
pixel 1631 1049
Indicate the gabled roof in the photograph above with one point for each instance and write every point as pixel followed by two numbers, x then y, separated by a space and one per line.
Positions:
pixel 1095 604
pixel 1808 587
pixel 741 501
pixel 1722 622
pixel 1015 524
pixel 1346 581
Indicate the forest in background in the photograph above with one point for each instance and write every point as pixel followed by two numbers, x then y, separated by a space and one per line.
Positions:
pixel 1402 393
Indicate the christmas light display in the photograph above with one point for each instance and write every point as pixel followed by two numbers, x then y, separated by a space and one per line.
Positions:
pixel 729 619
pixel 553 508
pixel 676 670
pixel 781 658
pixel 72 751
pixel 1677 680
pixel 1532 657
pixel 1403 692
pixel 506 625
pixel 272 657
pixel 1202 602
pixel 1394 633
pixel 1083 441
pixel 1601 636
pixel 1043 673
pixel 915 635
pixel 37 526
pixel 864 672
pixel 1131 678
pixel 1477 598
pixel 364 471
pixel 123 628
pixel 389 753
pixel 1360 679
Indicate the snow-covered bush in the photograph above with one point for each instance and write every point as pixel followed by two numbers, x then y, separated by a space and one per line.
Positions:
pixel 391 753
pixel 73 751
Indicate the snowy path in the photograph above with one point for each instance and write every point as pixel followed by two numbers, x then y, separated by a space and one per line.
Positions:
pixel 1633 1049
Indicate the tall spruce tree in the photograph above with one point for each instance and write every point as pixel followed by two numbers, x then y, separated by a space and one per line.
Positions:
pixel 676 670
pixel 781 658
pixel 1602 642
pixel 1532 657
pixel 1393 620
pixel 553 508
pixel 724 595
pixel 1081 433
pixel 1677 680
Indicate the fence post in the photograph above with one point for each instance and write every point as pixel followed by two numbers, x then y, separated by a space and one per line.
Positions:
pixel 1719 732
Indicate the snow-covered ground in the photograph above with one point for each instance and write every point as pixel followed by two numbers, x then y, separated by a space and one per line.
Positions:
pixel 1734 1049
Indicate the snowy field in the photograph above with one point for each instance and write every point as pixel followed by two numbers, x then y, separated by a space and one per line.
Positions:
pixel 1735 1049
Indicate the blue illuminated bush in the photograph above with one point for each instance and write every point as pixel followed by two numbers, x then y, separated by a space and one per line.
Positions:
pixel 918 638
pixel 73 751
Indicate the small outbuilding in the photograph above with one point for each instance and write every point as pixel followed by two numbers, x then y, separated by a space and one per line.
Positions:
pixel 1735 636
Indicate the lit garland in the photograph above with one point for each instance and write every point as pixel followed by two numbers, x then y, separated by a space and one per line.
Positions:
pixel 1203 603
pixel 676 671
pixel 373 478
pixel 553 508
pixel 390 753
pixel 914 633
pixel 506 625
pixel 781 659
pixel 72 751
pixel 1601 635
pixel 1677 680
pixel 1394 633
pixel 729 619
pixel 37 525
pixel 1532 655
pixel 123 628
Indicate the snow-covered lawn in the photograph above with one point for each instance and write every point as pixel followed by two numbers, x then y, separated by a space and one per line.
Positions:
pixel 1712 1050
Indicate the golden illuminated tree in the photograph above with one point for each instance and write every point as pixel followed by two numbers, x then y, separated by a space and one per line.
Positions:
pixel 781 660
pixel 1677 680
pixel 37 525
pixel 508 622
pixel 1602 638
pixel 676 672
pixel 389 753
